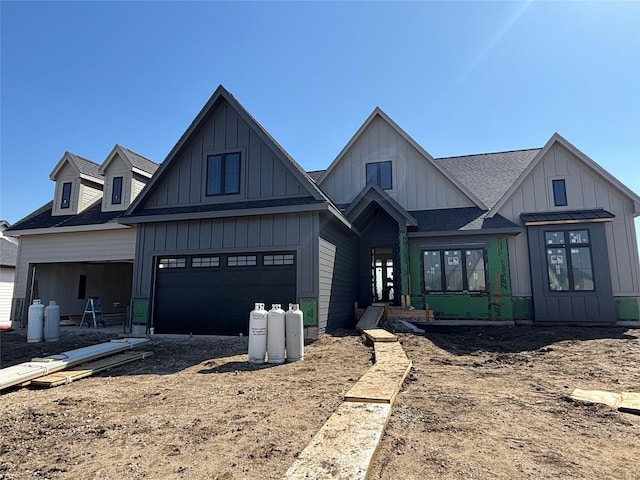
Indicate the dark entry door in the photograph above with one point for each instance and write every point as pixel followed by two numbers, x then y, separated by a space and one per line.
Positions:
pixel 214 294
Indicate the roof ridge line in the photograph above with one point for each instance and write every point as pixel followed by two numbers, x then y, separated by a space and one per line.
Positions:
pixel 489 153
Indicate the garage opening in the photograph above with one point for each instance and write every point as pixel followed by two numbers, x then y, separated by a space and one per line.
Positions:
pixel 213 294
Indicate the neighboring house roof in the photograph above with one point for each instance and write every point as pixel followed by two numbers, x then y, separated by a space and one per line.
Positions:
pixel 8 253
pixel 567 216
pixel 315 174
pixel 84 168
pixel 466 219
pixel 135 160
pixel 558 139
pixel 377 112
pixel 42 218
pixel 489 175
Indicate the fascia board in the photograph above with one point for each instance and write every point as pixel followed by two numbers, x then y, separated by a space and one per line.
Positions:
pixel 60 164
pixel 112 225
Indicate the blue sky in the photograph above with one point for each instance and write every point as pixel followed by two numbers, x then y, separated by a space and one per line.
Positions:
pixel 459 77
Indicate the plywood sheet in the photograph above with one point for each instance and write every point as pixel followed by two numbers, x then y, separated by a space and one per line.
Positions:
pixel 344 446
pixel 88 369
pixel 390 352
pixel 370 318
pixel 380 384
pixel 596 396
pixel 380 335
pixel 629 402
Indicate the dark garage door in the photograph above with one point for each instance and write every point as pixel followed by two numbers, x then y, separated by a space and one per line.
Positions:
pixel 213 294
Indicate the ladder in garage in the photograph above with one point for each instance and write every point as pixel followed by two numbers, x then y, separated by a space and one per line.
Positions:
pixel 93 307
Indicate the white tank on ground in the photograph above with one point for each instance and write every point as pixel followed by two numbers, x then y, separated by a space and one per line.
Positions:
pixel 275 334
pixel 257 334
pixel 294 333
pixel 52 322
pixel 35 322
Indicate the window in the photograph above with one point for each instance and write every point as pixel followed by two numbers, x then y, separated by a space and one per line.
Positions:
pixel 66 195
pixel 285 259
pixel 223 174
pixel 203 262
pixel 380 173
pixel 241 261
pixel 569 261
pixel 116 191
pixel 559 193
pixel 455 270
pixel 82 287
pixel 180 262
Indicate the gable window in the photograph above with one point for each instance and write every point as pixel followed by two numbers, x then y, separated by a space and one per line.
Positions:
pixel 223 174
pixel 569 264
pixel 455 270
pixel 116 192
pixel 559 193
pixel 66 195
pixel 380 173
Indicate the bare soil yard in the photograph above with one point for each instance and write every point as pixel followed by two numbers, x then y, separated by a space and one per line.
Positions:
pixel 488 403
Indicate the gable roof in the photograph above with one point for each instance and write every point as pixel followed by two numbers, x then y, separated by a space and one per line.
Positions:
pixel 560 140
pixel 221 94
pixel 378 113
pixel 489 175
pixel 136 162
pixel 84 168
pixel 372 193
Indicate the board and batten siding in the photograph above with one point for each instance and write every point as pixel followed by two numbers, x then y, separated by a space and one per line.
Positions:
pixel 417 184
pixel 263 173
pixel 338 277
pixel 96 246
pixel 586 189
pixel 296 231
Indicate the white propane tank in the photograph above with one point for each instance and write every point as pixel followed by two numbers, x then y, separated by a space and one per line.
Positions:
pixel 52 322
pixel 257 334
pixel 294 333
pixel 275 334
pixel 35 321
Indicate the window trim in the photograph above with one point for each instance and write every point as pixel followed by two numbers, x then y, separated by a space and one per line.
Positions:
pixel 223 154
pixel 378 172
pixel 117 199
pixel 559 190
pixel 465 274
pixel 67 187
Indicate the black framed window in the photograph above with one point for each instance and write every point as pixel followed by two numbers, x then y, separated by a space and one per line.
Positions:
pixel 559 193
pixel 179 262
pixel 569 265
pixel 66 195
pixel 380 173
pixel 242 260
pixel 116 191
pixel 223 174
pixel 454 270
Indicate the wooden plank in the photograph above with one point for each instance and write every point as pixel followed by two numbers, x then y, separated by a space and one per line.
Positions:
pixel 380 335
pixel 380 384
pixel 390 353
pixel 345 444
pixel 596 396
pixel 370 318
pixel 629 402
pixel 90 368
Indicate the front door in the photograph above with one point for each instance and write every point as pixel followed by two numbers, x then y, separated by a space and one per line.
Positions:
pixel 382 275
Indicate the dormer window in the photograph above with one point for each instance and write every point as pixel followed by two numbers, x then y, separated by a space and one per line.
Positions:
pixel 380 173
pixel 116 191
pixel 559 193
pixel 66 195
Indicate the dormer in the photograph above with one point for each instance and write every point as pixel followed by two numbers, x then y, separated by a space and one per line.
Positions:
pixel 78 184
pixel 125 174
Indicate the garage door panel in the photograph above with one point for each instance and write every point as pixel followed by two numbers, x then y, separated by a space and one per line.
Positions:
pixel 217 300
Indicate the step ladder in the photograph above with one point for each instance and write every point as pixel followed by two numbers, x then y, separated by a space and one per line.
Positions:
pixel 93 306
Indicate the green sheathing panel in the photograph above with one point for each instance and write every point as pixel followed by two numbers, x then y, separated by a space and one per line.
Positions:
pixel 522 308
pixel 404 266
pixel 140 311
pixel 497 304
pixel 309 308
pixel 627 308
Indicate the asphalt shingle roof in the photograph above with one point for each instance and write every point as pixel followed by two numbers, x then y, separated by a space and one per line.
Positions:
pixel 140 162
pixel 8 253
pixel 489 175
pixel 86 167
pixel 452 219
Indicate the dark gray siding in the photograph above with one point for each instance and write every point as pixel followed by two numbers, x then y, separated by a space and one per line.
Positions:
pixel 552 306
pixel 293 232
pixel 338 287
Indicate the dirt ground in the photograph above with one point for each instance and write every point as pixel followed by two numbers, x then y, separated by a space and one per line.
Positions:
pixel 487 403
